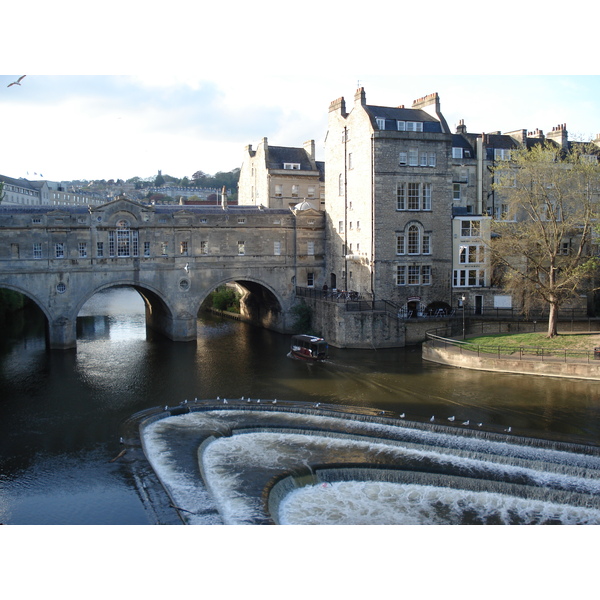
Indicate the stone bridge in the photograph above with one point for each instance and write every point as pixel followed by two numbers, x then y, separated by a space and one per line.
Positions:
pixel 174 256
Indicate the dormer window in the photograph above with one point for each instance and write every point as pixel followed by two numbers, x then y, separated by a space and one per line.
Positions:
pixel 293 166
pixel 414 126
pixel 380 122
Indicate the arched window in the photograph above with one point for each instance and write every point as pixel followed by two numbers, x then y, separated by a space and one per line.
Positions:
pixel 123 239
pixel 414 240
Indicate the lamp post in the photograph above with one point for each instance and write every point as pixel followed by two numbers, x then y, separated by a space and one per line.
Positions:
pixel 463 300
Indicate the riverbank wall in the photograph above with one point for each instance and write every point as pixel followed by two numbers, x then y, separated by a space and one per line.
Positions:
pixel 454 355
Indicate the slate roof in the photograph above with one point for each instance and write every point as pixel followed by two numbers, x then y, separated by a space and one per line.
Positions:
pixel 277 155
pixel 24 183
pixel 391 115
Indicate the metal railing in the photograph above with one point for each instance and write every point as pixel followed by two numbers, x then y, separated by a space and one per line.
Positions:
pixel 514 351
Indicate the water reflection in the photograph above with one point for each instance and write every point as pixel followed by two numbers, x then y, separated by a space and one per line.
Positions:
pixel 61 411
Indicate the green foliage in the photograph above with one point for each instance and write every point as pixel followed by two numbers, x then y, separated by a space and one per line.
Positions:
pixel 542 251
pixel 303 318
pixel 11 302
pixel 225 298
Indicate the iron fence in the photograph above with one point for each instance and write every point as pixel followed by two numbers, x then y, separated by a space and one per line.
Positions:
pixel 514 351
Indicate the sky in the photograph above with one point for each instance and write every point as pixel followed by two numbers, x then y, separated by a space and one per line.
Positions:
pixel 128 93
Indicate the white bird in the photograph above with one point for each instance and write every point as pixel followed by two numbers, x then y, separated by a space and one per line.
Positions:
pixel 258 401
pixel 166 408
pixel 402 416
pixel 432 419
pixel 17 82
pixel 508 430
pixel 274 401
pixel 466 422
pixel 479 424
pixel 187 267
pixel 451 418
pixel 224 401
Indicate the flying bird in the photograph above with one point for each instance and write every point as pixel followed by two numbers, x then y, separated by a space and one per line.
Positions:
pixel 17 82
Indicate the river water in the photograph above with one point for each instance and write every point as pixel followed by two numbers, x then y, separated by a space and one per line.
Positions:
pixel 61 412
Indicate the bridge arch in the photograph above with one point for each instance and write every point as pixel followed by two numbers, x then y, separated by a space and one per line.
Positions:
pixel 160 314
pixel 261 304
pixel 28 294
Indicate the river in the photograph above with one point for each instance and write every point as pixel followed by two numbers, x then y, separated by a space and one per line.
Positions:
pixel 61 411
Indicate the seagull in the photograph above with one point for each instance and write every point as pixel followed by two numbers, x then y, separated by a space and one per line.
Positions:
pixel 402 416
pixel 274 401
pixel 17 82
pixel 166 408
pixel 187 267
pixel 432 419
pixel 224 401
pixel 508 430
pixel 451 418
pixel 466 422
pixel 480 424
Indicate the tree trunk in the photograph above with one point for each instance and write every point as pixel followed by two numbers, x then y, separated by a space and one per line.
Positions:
pixel 553 321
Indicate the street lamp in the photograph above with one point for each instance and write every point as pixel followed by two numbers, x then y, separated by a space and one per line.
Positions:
pixel 463 300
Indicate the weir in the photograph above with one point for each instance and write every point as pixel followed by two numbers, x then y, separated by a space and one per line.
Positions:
pixel 244 461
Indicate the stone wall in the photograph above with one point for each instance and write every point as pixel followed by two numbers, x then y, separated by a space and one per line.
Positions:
pixel 451 355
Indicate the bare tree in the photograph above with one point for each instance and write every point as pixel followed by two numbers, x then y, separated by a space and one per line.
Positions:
pixel 543 244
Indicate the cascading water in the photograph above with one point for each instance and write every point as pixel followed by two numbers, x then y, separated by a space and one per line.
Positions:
pixel 259 462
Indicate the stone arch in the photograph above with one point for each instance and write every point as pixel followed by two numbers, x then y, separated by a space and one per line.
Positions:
pixel 160 315
pixel 261 305
pixel 121 215
pixel 39 303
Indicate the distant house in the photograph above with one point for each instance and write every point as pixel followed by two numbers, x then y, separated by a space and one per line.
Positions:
pixel 281 177
pixel 22 192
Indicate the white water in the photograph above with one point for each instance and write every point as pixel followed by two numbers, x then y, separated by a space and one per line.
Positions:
pixel 230 462
pixel 384 503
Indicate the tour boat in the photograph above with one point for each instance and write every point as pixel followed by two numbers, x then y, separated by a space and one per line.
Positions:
pixel 308 347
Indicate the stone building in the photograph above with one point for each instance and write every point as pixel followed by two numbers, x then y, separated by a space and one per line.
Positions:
pixel 22 192
pixel 389 194
pixel 281 177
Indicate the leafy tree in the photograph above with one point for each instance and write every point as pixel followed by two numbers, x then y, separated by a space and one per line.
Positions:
pixel 543 246
pixel 160 180
pixel 226 298
pixel 302 318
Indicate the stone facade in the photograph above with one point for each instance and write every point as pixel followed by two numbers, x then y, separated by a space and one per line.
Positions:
pixel 281 177
pixel 174 256
pixel 389 202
